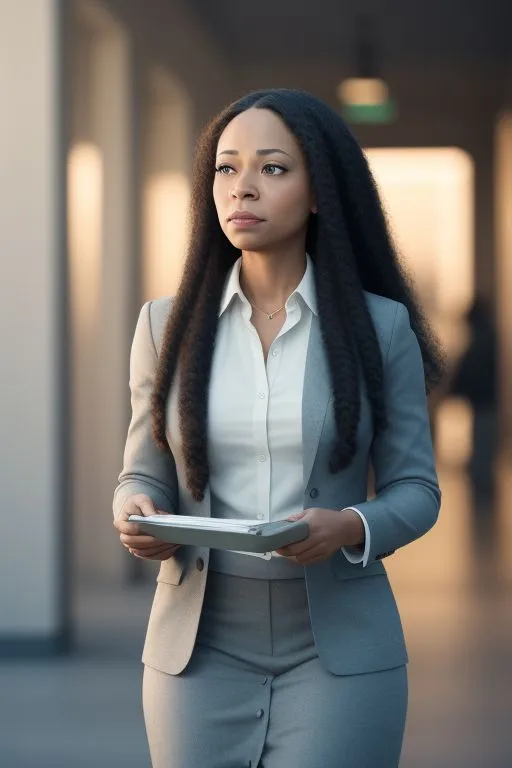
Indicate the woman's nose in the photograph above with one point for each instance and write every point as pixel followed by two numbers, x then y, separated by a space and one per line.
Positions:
pixel 243 189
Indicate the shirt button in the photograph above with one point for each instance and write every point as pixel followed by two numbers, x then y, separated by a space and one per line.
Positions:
pixel 313 493
pixel 261 458
pixel 275 352
pixel 260 516
pixel 262 395
pixel 259 713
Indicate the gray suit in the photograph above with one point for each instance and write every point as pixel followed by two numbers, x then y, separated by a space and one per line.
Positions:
pixel 353 614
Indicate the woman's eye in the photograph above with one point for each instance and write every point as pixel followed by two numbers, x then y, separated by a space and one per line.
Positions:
pixel 273 170
pixel 224 169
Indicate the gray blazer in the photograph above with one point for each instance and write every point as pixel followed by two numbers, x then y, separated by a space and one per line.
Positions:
pixel 353 613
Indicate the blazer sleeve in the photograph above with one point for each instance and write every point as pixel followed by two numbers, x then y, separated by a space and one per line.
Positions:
pixel 408 498
pixel 146 468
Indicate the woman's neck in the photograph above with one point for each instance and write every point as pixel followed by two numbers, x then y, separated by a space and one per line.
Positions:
pixel 268 281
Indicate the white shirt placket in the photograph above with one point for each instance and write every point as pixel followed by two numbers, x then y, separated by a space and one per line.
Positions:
pixel 260 430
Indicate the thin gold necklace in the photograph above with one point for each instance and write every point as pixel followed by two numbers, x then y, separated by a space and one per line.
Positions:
pixel 272 314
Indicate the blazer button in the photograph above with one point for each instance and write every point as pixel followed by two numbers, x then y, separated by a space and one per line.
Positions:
pixel 199 563
pixel 313 493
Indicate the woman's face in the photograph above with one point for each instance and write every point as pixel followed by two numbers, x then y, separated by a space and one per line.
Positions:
pixel 262 190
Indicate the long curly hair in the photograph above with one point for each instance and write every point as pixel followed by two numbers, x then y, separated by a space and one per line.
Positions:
pixel 351 249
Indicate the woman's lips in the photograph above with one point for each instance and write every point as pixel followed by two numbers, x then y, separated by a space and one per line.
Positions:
pixel 244 221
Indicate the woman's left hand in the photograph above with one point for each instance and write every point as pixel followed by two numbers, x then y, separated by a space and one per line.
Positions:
pixel 329 530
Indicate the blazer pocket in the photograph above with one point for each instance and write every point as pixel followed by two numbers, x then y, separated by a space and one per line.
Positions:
pixel 171 571
pixel 344 570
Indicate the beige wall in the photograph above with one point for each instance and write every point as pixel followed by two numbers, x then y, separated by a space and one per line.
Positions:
pixel 32 403
pixel 166 159
pixel 102 256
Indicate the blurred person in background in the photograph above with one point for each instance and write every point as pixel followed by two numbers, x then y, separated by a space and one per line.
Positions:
pixel 292 357
pixel 476 380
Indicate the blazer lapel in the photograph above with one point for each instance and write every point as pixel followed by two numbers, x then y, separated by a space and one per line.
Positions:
pixel 316 395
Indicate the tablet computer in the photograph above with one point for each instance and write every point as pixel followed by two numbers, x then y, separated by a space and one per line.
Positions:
pixel 237 535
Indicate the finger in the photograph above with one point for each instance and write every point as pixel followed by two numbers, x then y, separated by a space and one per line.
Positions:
pixel 296 516
pixel 158 547
pixel 150 554
pixel 159 557
pixel 123 524
pixel 316 555
pixel 141 542
pixel 132 529
pixel 292 550
pixel 146 506
pixel 124 514
pixel 161 554
pixel 140 504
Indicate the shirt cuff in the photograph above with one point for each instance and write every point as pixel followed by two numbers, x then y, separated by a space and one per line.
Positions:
pixel 354 554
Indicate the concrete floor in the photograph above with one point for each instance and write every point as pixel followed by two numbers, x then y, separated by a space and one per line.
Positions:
pixel 456 604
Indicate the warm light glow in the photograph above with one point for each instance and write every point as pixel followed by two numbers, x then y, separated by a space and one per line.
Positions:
pixel 166 198
pixel 504 268
pixel 363 91
pixel 428 195
pixel 454 426
pixel 445 552
pixel 85 199
pixel 503 559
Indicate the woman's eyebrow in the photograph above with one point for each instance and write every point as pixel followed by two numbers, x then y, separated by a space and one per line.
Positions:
pixel 270 151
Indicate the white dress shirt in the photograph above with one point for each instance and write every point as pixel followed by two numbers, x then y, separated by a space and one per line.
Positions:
pixel 255 410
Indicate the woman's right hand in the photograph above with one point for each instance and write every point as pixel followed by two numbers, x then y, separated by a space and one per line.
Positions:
pixel 137 543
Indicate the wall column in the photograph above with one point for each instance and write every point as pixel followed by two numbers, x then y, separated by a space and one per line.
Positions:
pixel 34 467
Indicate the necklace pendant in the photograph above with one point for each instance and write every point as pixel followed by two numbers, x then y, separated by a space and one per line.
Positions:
pixel 271 317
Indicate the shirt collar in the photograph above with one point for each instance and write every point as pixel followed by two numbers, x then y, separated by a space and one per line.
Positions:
pixel 306 288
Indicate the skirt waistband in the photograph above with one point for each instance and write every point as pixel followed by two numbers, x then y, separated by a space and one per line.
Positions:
pixel 251 567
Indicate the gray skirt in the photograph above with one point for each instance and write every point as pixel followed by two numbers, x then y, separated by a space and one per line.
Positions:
pixel 255 692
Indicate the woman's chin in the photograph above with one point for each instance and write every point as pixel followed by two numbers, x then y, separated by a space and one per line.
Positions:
pixel 248 241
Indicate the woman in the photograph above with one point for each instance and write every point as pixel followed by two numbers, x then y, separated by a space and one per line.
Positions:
pixel 292 358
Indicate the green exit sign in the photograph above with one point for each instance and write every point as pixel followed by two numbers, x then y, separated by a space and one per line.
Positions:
pixel 384 112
